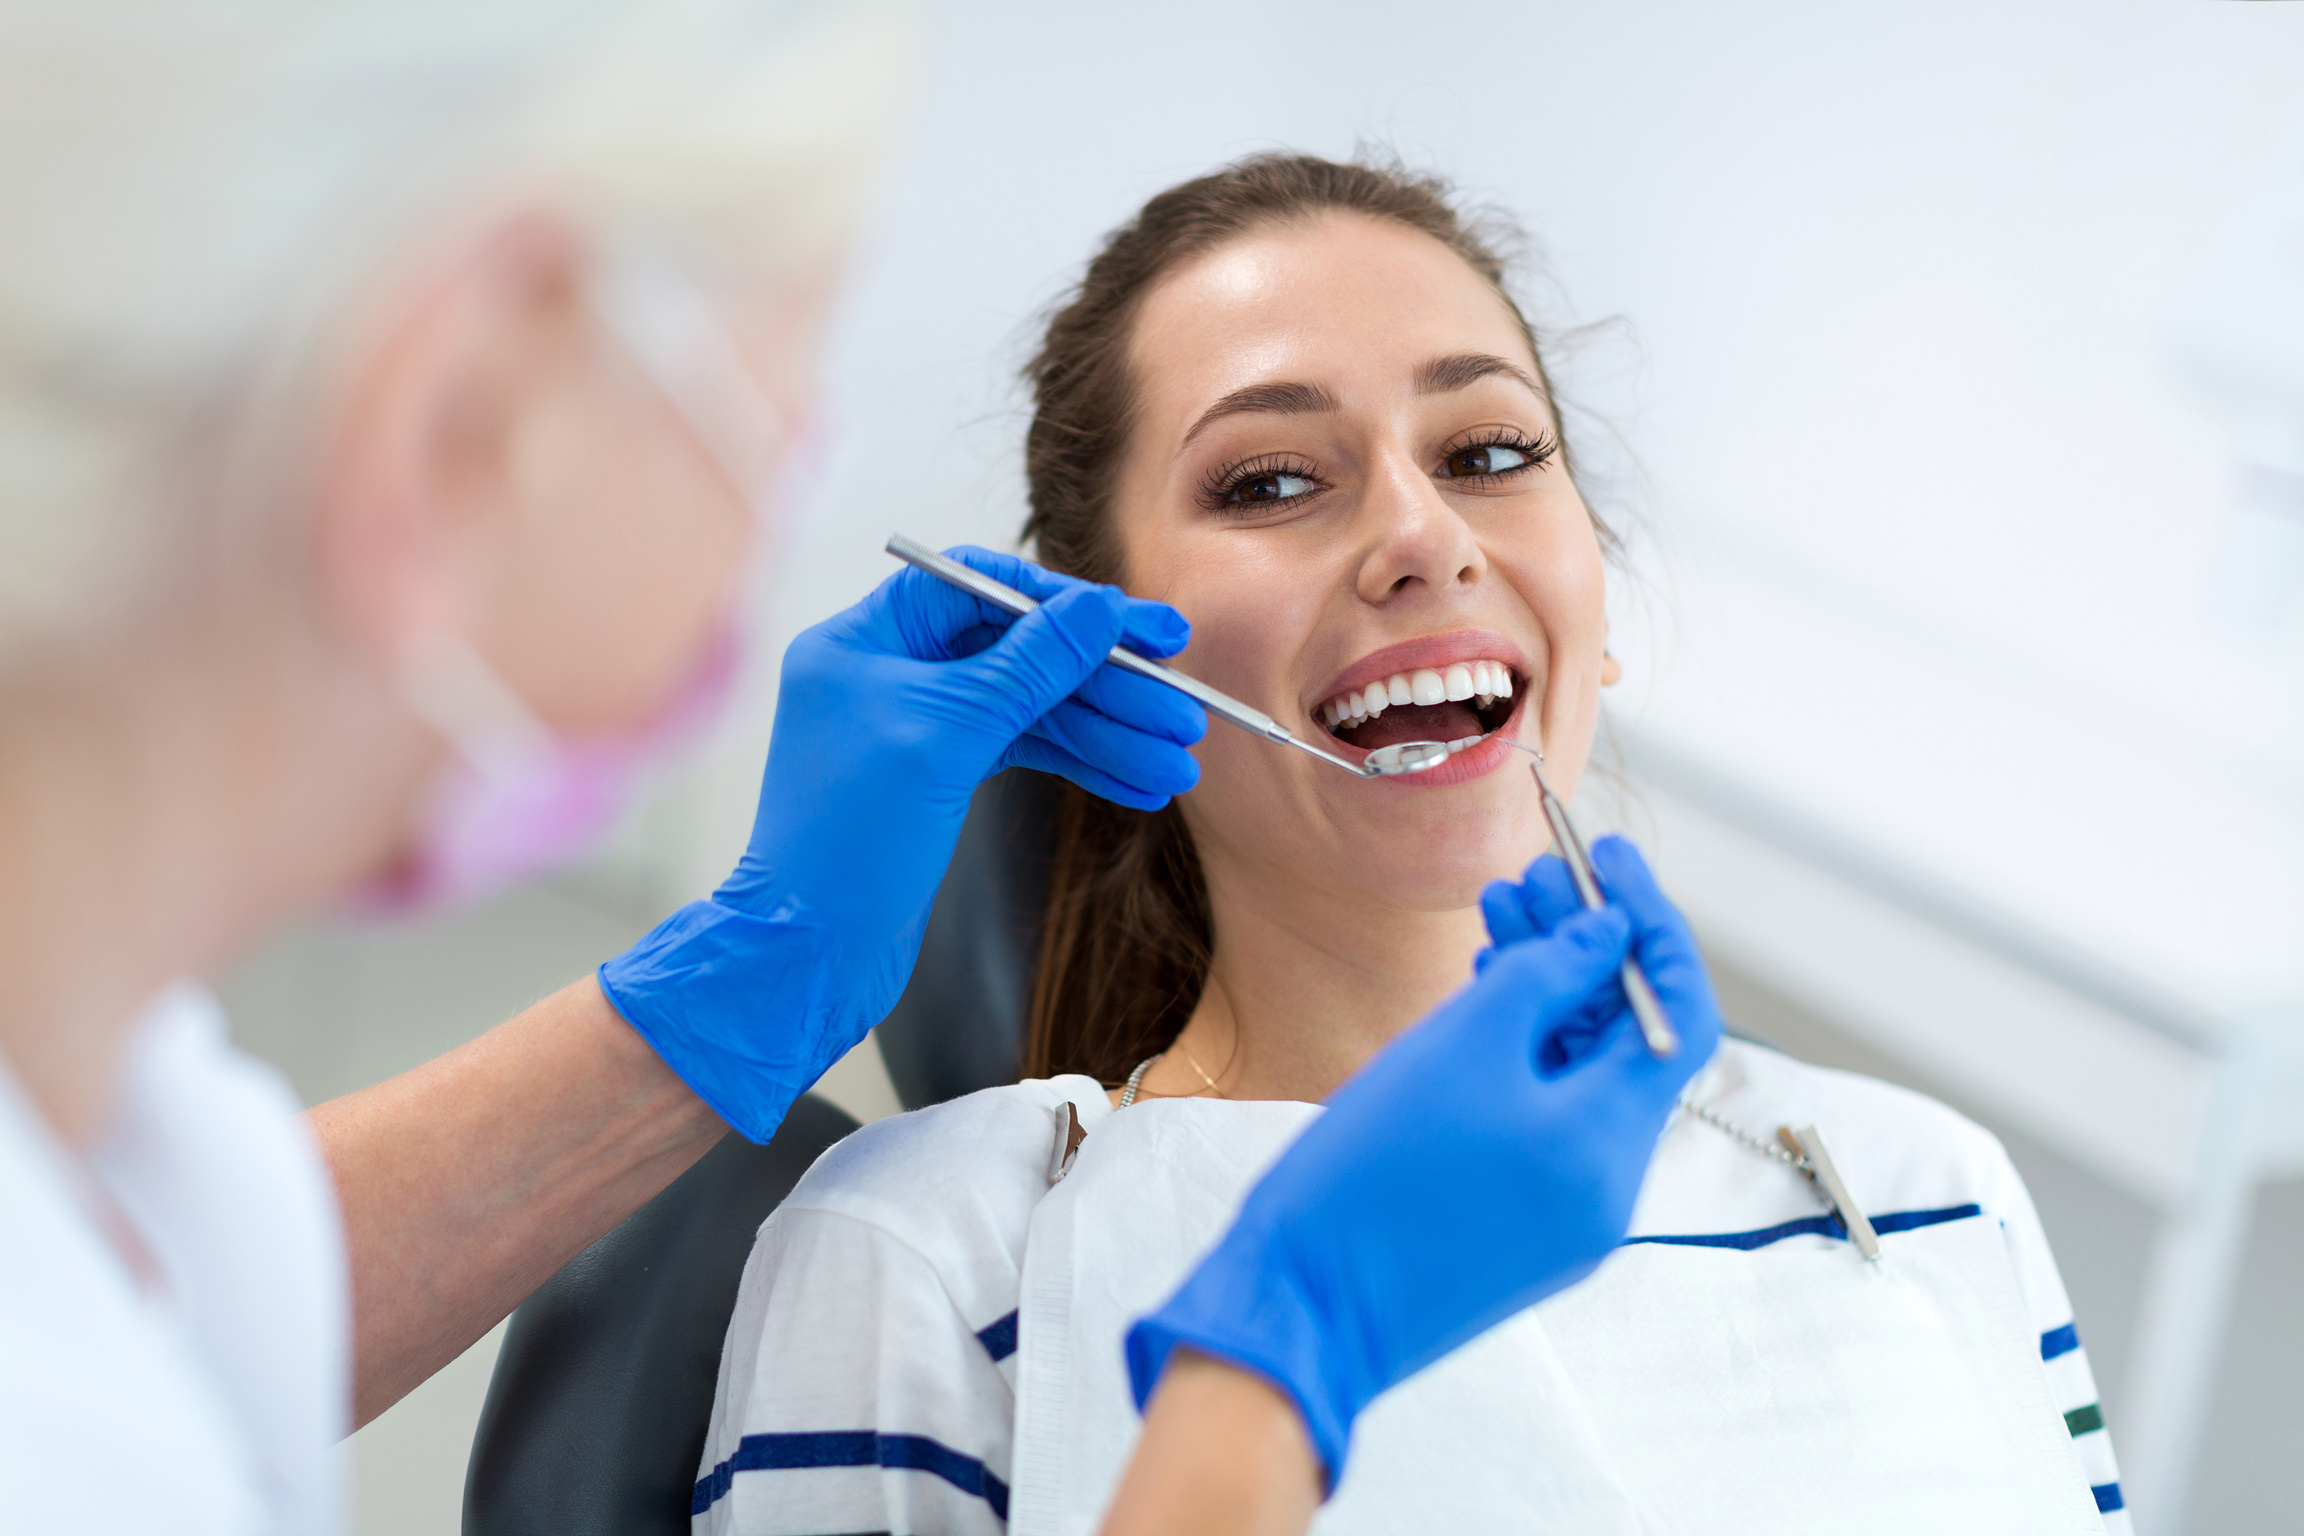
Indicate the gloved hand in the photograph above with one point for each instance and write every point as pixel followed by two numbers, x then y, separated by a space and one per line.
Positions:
pixel 888 717
pixel 1546 896
pixel 1455 1179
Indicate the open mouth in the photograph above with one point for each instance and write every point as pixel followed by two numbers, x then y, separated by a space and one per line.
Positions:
pixel 1457 704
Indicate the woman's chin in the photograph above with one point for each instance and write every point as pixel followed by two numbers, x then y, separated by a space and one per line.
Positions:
pixel 1412 873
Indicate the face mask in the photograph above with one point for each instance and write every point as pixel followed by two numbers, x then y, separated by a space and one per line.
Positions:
pixel 520 798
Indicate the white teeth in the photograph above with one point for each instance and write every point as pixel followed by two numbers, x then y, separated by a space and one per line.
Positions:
pixel 1464 743
pixel 1481 682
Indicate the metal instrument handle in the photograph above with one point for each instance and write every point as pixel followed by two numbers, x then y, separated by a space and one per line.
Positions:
pixel 1655 1026
pixel 1000 595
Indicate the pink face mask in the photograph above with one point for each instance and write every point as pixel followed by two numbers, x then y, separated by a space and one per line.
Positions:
pixel 519 798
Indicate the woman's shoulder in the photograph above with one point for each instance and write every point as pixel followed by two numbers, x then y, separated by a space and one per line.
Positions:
pixel 954 1178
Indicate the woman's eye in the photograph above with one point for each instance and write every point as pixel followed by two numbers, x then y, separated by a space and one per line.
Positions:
pixel 1256 486
pixel 1264 490
pixel 1485 459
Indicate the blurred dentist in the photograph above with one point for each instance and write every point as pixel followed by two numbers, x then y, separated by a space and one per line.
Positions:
pixel 390 394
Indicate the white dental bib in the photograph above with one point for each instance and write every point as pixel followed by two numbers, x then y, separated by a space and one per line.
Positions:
pixel 1787 1388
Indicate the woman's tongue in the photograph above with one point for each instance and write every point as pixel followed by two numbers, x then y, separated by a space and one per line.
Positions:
pixel 1416 722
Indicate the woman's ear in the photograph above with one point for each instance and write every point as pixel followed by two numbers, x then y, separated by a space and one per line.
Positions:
pixel 419 480
pixel 1611 670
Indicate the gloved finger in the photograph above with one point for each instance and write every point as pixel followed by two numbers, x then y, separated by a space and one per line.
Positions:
pixel 1628 882
pixel 1600 1029
pixel 1618 1083
pixel 1642 1082
pixel 1148 706
pixel 926 618
pixel 923 617
pixel 1667 948
pixel 1153 764
pixel 1560 974
pixel 1047 654
pixel 1575 1040
pixel 1044 755
pixel 1548 893
pixel 1544 897
pixel 1151 627
pixel 972 641
pixel 1507 920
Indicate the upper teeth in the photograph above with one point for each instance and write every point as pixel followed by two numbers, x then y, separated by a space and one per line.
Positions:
pixel 1483 682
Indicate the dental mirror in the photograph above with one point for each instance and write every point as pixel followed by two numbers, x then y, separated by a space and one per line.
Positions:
pixel 1406 757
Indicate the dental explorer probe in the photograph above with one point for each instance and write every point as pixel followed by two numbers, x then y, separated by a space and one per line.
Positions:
pixel 1222 705
pixel 1655 1028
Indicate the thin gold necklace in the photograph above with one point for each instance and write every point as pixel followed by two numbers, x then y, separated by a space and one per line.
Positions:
pixel 1194 1064
pixel 1135 1083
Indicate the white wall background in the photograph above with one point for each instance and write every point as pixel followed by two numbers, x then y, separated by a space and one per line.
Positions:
pixel 1923 541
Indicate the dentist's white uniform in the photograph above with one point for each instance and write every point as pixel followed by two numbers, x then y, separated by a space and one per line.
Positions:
pixel 228 1379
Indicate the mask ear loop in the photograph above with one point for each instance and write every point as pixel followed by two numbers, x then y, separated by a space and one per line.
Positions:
pixel 446 685
pixel 678 335
pixel 675 331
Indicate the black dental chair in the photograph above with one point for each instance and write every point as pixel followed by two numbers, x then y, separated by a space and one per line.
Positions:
pixel 595 1416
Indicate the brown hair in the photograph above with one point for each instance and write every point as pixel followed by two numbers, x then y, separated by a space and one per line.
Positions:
pixel 1125 947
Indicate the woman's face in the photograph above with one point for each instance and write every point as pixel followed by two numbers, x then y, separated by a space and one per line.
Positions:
pixel 1345 473
pixel 617 570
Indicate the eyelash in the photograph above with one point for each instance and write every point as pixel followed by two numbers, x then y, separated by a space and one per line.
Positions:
pixel 1222 483
pixel 1219 485
pixel 1541 450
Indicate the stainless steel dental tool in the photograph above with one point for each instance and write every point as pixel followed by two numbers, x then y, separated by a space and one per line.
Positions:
pixel 1655 1028
pixel 1405 757
pixel 1402 757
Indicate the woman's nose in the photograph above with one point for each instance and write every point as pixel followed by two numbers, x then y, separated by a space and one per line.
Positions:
pixel 1414 536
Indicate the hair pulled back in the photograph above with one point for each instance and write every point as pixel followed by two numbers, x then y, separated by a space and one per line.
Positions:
pixel 1125 947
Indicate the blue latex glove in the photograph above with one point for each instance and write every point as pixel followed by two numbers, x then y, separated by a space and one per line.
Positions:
pixel 888 717
pixel 1546 897
pixel 1457 1178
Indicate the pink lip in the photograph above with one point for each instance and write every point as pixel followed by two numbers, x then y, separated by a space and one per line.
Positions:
pixel 1432 653
pixel 1461 767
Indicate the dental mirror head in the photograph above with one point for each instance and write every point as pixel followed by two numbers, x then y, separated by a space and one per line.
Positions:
pixel 1405 757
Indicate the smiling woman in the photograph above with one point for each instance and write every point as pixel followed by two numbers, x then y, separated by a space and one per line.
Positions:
pixel 1298 399
pixel 1294 399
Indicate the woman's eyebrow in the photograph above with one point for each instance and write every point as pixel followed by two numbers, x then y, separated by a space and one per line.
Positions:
pixel 1446 375
pixel 1283 399
pixel 1441 376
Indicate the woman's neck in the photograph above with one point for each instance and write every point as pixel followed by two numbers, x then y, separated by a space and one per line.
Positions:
pixel 1301 993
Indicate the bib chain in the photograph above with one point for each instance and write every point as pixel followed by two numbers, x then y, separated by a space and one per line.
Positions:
pixel 1728 1127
